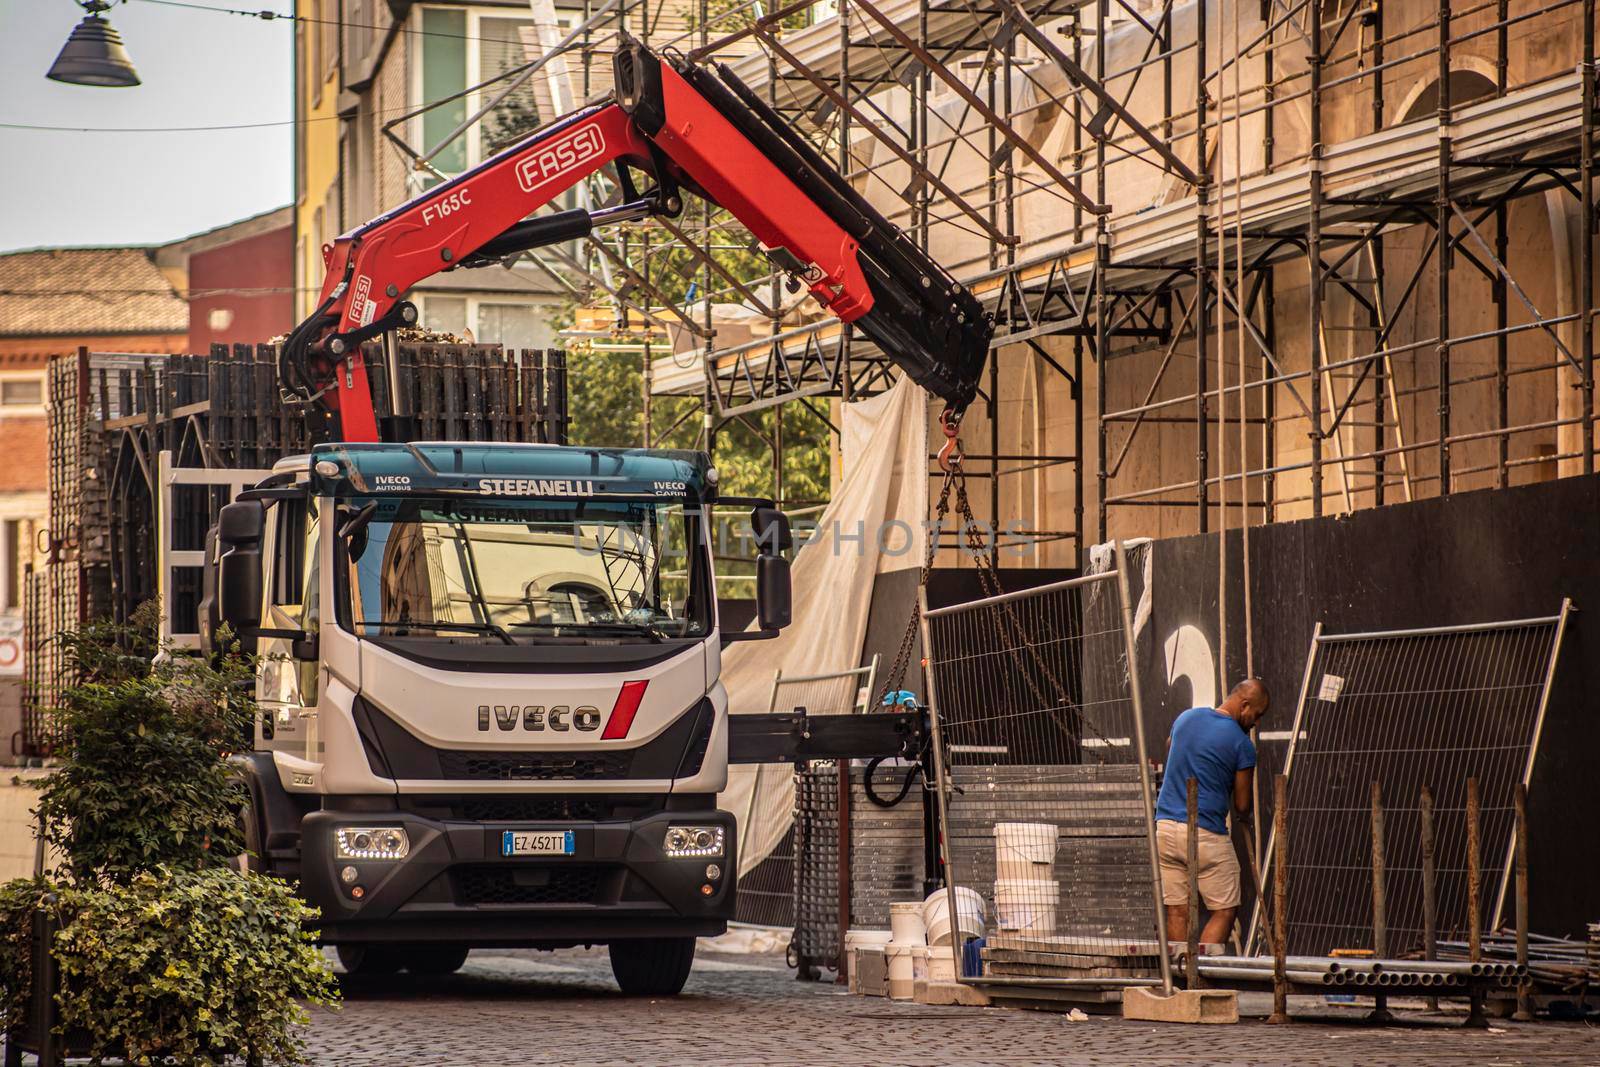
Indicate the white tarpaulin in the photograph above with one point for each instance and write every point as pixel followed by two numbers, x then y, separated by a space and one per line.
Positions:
pixel 872 525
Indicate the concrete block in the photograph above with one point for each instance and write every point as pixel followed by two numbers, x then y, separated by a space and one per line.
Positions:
pixel 1183 1006
pixel 944 993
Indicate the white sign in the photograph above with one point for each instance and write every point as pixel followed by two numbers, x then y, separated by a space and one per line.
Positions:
pixel 10 645
pixel 1332 686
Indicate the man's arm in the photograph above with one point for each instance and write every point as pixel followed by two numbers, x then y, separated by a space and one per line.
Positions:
pixel 1243 789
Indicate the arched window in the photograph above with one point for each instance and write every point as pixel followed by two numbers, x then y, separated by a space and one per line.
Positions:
pixel 1466 86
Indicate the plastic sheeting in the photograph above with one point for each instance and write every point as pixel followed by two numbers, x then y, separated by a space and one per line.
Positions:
pixel 873 525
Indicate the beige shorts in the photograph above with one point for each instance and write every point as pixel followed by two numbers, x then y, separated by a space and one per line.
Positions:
pixel 1219 866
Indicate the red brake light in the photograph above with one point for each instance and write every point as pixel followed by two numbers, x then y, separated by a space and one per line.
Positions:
pixel 623 711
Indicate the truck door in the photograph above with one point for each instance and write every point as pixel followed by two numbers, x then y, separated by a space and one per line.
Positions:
pixel 288 686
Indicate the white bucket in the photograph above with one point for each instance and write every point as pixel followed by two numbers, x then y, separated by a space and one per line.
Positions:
pixel 936 914
pixel 1024 851
pixel 854 941
pixel 905 920
pixel 1027 905
pixel 902 971
pixel 941 963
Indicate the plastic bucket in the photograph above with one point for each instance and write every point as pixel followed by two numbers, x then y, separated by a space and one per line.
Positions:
pixel 905 921
pixel 1024 851
pixel 941 963
pixel 1027 905
pixel 902 971
pixel 854 941
pixel 936 914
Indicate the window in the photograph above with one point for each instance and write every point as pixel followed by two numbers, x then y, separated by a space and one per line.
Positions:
pixel 466 47
pixel 11 544
pixel 444 71
pixel 446 314
pixel 294 571
pixel 515 570
pixel 489 321
pixel 22 392
pixel 512 325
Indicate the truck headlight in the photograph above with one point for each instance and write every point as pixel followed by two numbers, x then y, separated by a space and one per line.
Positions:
pixel 371 843
pixel 692 841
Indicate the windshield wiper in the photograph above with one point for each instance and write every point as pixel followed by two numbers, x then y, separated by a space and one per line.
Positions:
pixel 649 629
pixel 470 627
pixel 574 629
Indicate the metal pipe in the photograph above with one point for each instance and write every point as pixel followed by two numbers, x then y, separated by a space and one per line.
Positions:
pixel 1145 794
pixel 1280 893
pixel 1430 890
pixel 1245 974
pixel 1288 766
pixel 1192 861
pixel 1474 873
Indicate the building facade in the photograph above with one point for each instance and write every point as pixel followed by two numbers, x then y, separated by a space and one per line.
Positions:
pixel 57 300
pixel 238 279
pixel 366 141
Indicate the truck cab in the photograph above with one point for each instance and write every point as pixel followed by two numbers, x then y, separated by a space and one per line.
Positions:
pixel 490 711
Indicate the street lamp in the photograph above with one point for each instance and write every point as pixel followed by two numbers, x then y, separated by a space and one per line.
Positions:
pixel 94 55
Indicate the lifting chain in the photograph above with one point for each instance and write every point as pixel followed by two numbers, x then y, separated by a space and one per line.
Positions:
pixel 1012 633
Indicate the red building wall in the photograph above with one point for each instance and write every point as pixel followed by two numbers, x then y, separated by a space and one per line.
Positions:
pixel 242 292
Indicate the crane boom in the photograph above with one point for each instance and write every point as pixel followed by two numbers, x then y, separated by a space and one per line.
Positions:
pixel 685 127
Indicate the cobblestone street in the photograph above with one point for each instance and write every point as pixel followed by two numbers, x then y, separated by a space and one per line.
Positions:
pixel 508 1008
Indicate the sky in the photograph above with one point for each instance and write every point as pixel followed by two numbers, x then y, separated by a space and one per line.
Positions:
pixel 198 69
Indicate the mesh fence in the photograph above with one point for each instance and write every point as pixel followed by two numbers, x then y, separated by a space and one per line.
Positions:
pixel 1408 710
pixel 1046 797
pixel 767 892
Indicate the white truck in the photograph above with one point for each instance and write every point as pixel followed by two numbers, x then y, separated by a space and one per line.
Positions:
pixel 490 706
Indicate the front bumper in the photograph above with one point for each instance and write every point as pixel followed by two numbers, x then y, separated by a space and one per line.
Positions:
pixel 456 887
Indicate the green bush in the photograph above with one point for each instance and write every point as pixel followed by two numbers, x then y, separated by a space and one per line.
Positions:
pixel 19 899
pixel 165 952
pixel 197 966
pixel 146 781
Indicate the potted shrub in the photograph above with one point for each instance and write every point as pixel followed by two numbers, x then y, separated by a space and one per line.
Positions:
pixel 161 950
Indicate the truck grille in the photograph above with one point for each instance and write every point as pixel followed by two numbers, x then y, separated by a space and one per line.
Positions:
pixel 526 809
pixel 575 884
pixel 534 766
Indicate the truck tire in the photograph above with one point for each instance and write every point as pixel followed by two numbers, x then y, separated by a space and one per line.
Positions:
pixel 435 959
pixel 652 966
pixel 369 960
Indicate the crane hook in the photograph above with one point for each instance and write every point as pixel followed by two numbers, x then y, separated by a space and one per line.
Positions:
pixel 950 456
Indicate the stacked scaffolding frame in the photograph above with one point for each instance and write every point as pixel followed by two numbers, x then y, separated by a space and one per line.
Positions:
pixel 1293 328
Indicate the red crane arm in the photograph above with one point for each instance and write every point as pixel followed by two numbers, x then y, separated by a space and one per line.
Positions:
pixel 682 126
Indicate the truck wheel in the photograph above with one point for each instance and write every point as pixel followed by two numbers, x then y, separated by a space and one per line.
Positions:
pixel 653 966
pixel 252 859
pixel 435 959
pixel 368 960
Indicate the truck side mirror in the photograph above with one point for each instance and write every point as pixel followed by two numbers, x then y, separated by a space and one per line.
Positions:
pixel 773 606
pixel 772 531
pixel 240 527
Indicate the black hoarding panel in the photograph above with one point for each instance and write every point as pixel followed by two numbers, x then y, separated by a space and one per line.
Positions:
pixel 1469 558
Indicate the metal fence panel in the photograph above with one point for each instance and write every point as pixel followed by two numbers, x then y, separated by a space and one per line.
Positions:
pixel 1043 783
pixel 1408 709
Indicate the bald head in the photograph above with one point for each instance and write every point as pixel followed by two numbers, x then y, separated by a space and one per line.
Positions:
pixel 1248 702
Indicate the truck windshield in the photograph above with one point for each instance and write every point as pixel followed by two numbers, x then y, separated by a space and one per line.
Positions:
pixel 518 571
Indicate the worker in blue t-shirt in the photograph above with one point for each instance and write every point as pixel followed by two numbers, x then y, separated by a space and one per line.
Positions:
pixel 1212 746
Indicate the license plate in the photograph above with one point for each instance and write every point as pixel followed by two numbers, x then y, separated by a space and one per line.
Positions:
pixel 538 843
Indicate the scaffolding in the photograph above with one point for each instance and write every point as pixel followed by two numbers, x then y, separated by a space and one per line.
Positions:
pixel 1249 259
